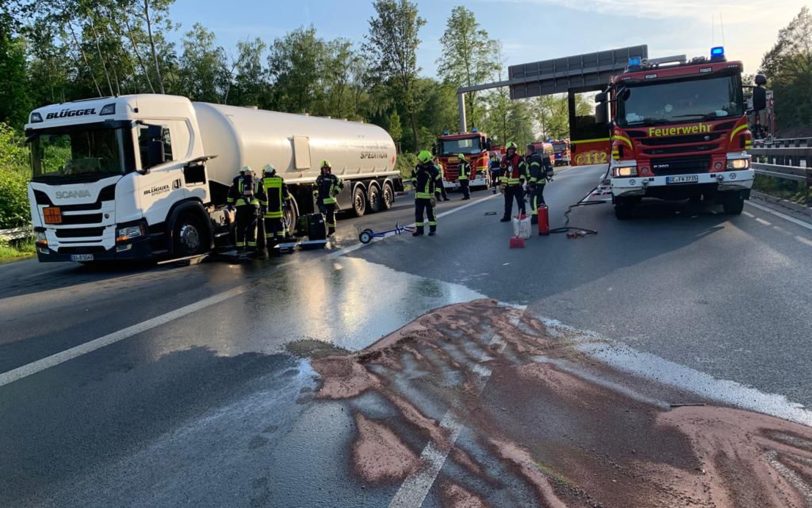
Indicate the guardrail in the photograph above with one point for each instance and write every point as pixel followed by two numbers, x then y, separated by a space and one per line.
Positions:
pixel 785 159
pixel 15 233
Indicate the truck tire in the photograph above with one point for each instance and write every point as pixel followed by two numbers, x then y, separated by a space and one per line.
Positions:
pixel 359 201
pixel 189 236
pixel 375 198
pixel 291 215
pixel 388 197
pixel 623 208
pixel 733 203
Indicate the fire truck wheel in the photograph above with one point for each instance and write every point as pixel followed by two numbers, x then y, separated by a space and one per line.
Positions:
pixel 733 203
pixel 623 208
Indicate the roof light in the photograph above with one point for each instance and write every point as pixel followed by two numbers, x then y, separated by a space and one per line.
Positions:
pixel 474 129
pixel 635 62
pixel 108 109
pixel 36 118
pixel 718 53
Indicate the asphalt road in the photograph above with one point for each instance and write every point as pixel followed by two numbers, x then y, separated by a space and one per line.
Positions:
pixel 176 385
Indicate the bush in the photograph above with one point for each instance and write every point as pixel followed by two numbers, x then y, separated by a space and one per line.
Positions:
pixel 14 210
pixel 405 164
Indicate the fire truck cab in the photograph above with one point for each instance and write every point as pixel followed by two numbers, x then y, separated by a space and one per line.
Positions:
pixel 475 146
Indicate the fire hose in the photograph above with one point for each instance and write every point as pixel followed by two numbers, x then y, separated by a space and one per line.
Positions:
pixel 575 231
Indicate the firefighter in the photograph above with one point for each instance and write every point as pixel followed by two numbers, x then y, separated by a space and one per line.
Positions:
pixel 328 186
pixel 273 199
pixel 424 179
pixel 439 188
pixel 495 169
pixel 537 166
pixel 513 177
pixel 243 196
pixel 465 173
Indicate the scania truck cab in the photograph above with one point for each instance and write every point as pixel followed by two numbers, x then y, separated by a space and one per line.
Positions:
pixel 475 146
pixel 678 131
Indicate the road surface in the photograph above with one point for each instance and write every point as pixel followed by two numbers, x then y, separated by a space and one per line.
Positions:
pixel 213 385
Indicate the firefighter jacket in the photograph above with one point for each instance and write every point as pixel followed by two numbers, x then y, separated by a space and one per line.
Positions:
pixel 424 179
pixel 465 170
pixel 514 170
pixel 244 191
pixel 273 193
pixel 327 188
pixel 538 166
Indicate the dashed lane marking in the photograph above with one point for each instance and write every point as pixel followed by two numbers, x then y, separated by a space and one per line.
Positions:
pixel 797 222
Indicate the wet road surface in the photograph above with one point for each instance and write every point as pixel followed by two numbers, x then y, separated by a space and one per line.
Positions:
pixel 220 404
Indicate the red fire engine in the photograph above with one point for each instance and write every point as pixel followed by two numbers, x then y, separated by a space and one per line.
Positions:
pixel 475 145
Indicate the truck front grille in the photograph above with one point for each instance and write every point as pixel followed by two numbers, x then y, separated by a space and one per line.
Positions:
pixel 79 232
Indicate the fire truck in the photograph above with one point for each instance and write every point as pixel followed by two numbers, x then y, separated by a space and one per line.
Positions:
pixel 678 130
pixel 475 145
pixel 561 151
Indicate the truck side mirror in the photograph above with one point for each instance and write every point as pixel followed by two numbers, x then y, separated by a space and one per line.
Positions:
pixel 759 99
pixel 602 113
pixel 155 152
pixel 600 97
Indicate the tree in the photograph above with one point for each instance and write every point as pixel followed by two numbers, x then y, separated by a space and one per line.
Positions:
pixel 249 85
pixel 394 127
pixel 294 65
pixel 788 65
pixel 391 45
pixel 203 72
pixel 15 100
pixel 469 55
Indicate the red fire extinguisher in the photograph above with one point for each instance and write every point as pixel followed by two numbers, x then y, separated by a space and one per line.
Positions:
pixel 544 220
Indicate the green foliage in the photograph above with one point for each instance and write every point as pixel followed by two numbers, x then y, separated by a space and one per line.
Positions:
pixel 16 250
pixel 788 66
pixel 406 163
pixel 469 56
pixel 204 76
pixel 15 101
pixel 394 127
pixel 13 180
pixel 392 45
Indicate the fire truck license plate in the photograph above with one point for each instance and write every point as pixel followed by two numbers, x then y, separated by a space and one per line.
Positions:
pixel 81 257
pixel 682 179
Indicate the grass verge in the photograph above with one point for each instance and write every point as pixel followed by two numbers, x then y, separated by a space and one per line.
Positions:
pixel 16 250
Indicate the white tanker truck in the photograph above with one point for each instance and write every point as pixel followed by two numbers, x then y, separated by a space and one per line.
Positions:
pixel 146 176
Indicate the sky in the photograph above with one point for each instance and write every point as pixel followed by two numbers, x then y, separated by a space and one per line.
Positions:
pixel 529 30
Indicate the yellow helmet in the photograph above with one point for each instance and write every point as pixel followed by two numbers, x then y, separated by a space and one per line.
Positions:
pixel 424 156
pixel 326 164
pixel 512 145
pixel 461 156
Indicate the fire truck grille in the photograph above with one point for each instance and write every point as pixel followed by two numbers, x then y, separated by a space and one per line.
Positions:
pixel 677 166
pixel 680 149
pixel 678 140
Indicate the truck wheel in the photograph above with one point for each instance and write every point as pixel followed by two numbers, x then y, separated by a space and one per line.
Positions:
pixel 388 196
pixel 291 215
pixel 623 208
pixel 359 201
pixel 733 203
pixel 374 196
pixel 189 236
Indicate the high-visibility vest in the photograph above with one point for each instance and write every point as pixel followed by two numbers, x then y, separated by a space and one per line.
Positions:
pixel 274 199
pixel 241 195
pixel 465 170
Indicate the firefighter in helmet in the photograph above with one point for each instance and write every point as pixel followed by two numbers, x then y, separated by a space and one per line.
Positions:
pixel 537 165
pixel 243 196
pixel 328 186
pixel 514 171
pixel 424 179
pixel 273 198
pixel 464 175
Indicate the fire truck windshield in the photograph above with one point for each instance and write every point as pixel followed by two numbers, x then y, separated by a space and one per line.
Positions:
pixel 680 101
pixel 466 146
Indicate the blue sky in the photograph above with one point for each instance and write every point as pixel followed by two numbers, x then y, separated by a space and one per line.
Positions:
pixel 529 30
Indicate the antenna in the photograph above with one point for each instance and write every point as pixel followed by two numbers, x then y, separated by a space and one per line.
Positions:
pixel 722 26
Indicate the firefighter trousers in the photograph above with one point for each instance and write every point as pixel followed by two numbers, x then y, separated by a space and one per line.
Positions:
pixel 329 212
pixel 423 206
pixel 440 192
pixel 274 230
pixel 245 228
pixel 536 198
pixel 466 191
pixel 514 192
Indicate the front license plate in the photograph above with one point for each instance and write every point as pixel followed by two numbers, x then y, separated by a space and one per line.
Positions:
pixel 81 257
pixel 682 179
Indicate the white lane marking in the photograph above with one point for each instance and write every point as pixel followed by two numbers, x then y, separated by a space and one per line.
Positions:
pixel 416 486
pixel 353 248
pixel 763 222
pixel 111 338
pixel 748 214
pixel 784 216
pixel 803 240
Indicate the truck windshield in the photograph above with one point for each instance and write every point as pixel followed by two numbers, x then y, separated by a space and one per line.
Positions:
pixel 680 101
pixel 466 146
pixel 559 147
pixel 78 153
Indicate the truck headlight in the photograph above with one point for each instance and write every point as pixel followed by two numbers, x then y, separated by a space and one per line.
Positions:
pixel 624 171
pixel 128 233
pixel 40 239
pixel 733 164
